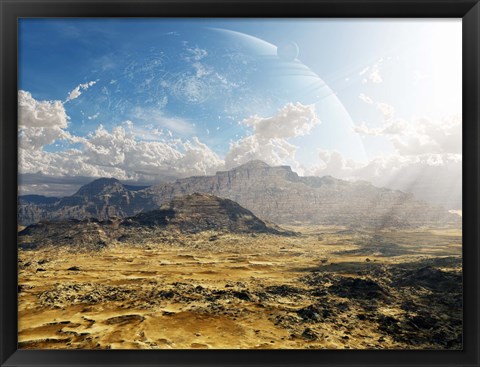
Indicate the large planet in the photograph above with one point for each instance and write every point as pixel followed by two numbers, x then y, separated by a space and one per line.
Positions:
pixel 220 77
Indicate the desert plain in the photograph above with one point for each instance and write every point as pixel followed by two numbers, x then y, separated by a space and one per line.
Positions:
pixel 323 287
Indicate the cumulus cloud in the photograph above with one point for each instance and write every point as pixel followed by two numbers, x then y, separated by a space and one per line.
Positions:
pixel 269 138
pixel 77 91
pixel 66 163
pixel 119 148
pixel 40 123
pixel 290 121
pixel 33 113
pixel 117 153
pixel 272 151
pixel 420 136
pixel 332 163
pixel 198 159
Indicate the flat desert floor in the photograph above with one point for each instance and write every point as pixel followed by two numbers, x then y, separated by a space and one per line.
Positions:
pixel 326 288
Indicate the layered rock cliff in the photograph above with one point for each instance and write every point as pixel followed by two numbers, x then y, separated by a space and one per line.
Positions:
pixel 276 194
pixel 281 196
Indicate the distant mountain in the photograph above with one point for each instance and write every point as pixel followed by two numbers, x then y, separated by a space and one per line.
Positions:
pixel 279 195
pixel 34 208
pixel 188 214
pixel 38 199
pixel 102 199
pixel 276 194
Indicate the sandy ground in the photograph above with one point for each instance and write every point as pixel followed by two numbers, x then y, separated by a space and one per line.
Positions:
pixel 326 288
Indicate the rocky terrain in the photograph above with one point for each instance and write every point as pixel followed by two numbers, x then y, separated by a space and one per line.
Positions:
pixel 323 288
pixel 177 267
pixel 187 214
pixel 276 194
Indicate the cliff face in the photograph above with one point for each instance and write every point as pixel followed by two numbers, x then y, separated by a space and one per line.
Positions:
pixel 275 194
pixel 279 195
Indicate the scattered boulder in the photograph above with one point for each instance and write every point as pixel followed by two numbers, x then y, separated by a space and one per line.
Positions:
pixel 430 278
pixel 313 313
pixel 358 288
pixel 282 290
pixel 309 334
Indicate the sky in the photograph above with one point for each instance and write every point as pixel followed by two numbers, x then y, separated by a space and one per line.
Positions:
pixel 148 100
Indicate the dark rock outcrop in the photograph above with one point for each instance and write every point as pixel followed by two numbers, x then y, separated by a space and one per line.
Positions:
pixel 202 212
pixel 188 215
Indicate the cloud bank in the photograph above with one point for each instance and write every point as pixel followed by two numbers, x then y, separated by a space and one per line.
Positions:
pixel 116 153
pixel 426 157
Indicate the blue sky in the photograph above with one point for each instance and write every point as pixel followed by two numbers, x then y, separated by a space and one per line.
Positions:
pixel 150 99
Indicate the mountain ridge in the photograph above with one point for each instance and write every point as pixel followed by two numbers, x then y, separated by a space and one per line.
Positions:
pixel 273 193
pixel 189 214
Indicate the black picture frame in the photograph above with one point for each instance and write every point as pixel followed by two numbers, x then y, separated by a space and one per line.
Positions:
pixel 11 10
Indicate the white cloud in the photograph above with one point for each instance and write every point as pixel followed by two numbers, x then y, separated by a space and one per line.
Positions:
pixel 40 123
pixel 425 136
pixel 93 117
pixel 365 98
pixel 372 73
pixel 76 92
pixel 120 149
pixel 198 159
pixel 67 163
pixel 420 136
pixel 269 139
pixel 387 110
pixel 332 163
pixel 117 153
pixel 290 121
pixel 273 151
pixel 33 113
